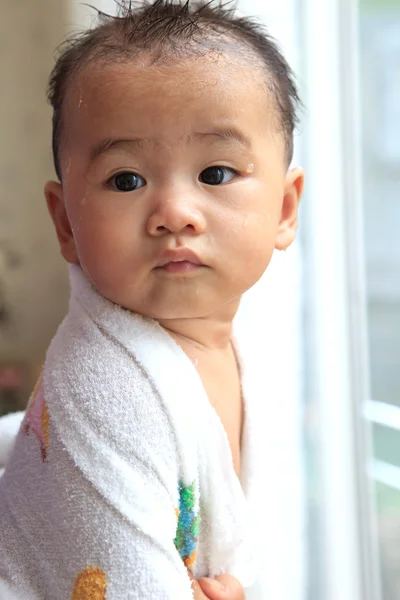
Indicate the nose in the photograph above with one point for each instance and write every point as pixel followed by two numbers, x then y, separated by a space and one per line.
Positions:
pixel 175 215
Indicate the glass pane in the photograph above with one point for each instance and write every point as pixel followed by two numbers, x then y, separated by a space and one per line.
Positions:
pixel 380 64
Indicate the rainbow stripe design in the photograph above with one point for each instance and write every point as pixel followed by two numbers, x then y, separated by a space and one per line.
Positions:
pixel 188 524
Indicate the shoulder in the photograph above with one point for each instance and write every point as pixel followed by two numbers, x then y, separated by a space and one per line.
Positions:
pixel 90 375
pixel 87 360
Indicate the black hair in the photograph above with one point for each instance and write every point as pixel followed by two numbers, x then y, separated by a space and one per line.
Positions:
pixel 165 28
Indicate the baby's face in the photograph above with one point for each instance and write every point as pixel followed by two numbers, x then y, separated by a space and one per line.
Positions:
pixel 160 160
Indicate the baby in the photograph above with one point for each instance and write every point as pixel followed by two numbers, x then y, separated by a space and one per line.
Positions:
pixel 138 458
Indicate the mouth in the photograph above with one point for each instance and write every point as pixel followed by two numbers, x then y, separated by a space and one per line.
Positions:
pixel 181 261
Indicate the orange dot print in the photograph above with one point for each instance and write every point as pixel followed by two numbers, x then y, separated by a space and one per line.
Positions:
pixel 91 584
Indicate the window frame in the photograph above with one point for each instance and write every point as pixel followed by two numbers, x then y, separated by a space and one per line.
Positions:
pixel 338 364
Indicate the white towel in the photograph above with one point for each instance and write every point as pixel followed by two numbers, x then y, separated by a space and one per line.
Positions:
pixel 122 472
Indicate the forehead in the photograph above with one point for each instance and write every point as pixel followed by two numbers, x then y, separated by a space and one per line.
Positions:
pixel 167 101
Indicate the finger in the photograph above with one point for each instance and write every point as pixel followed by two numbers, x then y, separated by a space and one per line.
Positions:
pixel 233 586
pixel 197 591
pixel 223 587
pixel 214 589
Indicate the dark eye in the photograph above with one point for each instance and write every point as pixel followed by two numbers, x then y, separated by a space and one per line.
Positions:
pixel 217 175
pixel 126 182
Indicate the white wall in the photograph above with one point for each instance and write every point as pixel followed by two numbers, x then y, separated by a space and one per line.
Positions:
pixel 32 275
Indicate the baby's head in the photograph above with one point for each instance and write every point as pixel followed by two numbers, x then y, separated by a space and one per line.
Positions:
pixel 172 137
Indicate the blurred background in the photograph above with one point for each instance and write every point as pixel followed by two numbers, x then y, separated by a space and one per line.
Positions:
pixel 343 274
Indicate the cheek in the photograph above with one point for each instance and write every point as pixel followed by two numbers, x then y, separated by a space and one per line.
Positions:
pixel 101 251
pixel 249 248
pixel 251 215
pixel 258 244
pixel 97 222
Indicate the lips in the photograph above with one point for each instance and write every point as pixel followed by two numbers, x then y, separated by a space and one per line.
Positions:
pixel 180 255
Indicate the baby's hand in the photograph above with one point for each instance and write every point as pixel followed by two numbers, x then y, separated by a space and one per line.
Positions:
pixel 223 587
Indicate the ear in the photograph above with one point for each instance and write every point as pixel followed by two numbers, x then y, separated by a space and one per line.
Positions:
pixel 55 203
pixel 287 228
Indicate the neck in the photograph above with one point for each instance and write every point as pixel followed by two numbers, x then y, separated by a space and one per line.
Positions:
pixel 213 332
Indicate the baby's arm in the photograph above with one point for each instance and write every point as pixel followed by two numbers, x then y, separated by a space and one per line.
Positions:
pixel 203 590
pixel 61 537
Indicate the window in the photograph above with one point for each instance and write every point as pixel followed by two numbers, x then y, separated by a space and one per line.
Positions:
pixel 352 264
pixel 379 26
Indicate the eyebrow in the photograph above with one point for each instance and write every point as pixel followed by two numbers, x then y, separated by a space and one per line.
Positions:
pixel 109 144
pixel 228 135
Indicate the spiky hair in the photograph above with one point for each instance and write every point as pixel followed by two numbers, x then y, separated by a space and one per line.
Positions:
pixel 169 28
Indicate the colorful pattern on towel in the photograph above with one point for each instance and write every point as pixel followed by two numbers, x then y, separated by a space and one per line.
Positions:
pixel 91 584
pixel 187 530
pixel 37 418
